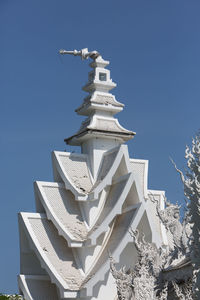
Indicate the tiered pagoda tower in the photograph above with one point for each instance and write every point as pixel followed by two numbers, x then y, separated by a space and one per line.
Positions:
pixel 87 211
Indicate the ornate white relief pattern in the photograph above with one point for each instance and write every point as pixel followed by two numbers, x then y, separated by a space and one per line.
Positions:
pixel 123 281
pixel 167 273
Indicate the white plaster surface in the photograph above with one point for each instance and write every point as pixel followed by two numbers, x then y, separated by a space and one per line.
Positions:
pixel 53 250
pixel 140 169
pixel 99 194
pixel 63 210
pixel 37 288
pixel 75 166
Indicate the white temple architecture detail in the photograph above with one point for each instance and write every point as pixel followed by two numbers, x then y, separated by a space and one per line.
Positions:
pixel 171 271
pixel 85 214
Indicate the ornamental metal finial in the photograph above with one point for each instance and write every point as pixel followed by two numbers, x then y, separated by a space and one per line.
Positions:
pixel 83 53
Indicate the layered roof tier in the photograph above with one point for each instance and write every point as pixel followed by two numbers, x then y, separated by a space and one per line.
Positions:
pixel 99 107
pixel 71 235
pixel 86 213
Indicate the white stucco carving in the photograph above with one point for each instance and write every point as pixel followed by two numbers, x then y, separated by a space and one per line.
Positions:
pixel 96 196
pixel 171 271
pixel 191 182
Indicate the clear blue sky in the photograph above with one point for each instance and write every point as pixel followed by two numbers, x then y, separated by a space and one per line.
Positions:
pixel 154 50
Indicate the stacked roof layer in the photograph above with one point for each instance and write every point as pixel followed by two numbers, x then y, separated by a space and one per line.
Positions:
pixel 87 211
pixel 71 232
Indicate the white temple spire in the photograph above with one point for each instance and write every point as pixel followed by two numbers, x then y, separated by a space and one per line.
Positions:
pixel 100 131
pixel 86 212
